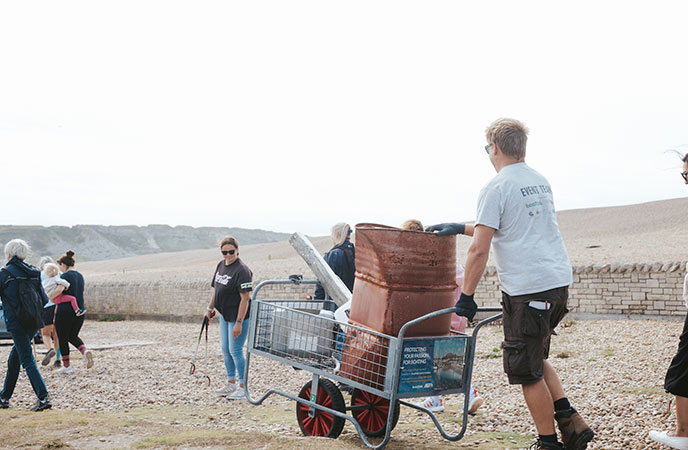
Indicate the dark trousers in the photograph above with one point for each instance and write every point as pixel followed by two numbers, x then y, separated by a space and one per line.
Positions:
pixel 21 354
pixel 68 326
pixel 676 381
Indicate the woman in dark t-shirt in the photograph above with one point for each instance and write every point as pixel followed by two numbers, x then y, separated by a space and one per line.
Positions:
pixel 67 323
pixel 233 282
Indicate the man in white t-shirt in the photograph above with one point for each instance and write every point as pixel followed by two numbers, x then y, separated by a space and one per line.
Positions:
pixel 516 217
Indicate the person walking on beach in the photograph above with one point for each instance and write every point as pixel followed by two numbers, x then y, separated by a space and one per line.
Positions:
pixel 517 219
pixel 676 380
pixel 13 292
pixel 233 283
pixel 67 323
pixel 48 331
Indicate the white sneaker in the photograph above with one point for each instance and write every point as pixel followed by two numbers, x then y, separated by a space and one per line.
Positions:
pixel 88 357
pixel 238 394
pixel 65 370
pixel 226 390
pixel 663 437
pixel 475 401
pixel 434 403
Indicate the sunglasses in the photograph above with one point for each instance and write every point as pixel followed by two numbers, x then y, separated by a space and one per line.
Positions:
pixel 487 148
pixel 228 252
pixel 685 176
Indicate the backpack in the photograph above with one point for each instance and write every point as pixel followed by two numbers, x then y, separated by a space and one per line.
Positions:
pixel 29 308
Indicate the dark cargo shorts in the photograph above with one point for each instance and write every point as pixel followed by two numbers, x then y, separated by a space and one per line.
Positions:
pixel 527 332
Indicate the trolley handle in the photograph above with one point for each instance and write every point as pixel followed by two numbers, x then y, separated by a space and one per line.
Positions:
pixel 452 310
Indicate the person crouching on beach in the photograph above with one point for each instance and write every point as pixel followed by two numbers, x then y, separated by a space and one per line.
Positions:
pixel 233 283
pixel 435 403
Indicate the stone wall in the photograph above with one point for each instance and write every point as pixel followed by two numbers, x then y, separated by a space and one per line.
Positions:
pixel 633 290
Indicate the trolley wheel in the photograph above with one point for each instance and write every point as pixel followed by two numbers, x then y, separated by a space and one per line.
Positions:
pixel 322 423
pixel 371 412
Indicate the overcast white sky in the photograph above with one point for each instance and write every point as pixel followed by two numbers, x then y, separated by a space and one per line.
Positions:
pixel 294 115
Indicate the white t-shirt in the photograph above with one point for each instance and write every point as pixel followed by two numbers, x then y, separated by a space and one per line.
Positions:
pixel 529 252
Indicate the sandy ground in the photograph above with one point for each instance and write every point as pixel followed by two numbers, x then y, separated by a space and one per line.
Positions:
pixel 616 383
pixel 644 233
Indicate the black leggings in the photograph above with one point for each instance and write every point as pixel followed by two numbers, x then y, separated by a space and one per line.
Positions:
pixel 68 325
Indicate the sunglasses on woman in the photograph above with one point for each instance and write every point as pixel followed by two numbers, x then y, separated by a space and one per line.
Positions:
pixel 228 252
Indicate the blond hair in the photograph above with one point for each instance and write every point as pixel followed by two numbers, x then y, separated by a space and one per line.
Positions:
pixel 510 135
pixel 51 270
pixel 340 233
pixel 412 225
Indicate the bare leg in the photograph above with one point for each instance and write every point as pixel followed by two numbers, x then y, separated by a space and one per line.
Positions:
pixel 681 416
pixel 56 343
pixel 541 406
pixel 553 382
pixel 47 332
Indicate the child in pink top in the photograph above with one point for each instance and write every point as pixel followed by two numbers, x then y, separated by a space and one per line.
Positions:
pixel 50 284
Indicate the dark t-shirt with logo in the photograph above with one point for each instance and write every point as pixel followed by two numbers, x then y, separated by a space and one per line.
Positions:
pixel 229 281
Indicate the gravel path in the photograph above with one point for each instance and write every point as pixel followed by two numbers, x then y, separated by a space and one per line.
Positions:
pixel 613 371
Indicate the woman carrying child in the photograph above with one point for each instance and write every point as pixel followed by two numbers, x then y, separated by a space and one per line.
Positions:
pixel 67 323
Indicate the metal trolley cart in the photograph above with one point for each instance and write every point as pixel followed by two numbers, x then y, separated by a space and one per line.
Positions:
pixel 383 370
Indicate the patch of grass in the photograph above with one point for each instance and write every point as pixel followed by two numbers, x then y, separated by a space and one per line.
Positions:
pixel 564 355
pixel 495 353
pixel 568 323
pixel 608 353
pixel 641 390
pixel 54 444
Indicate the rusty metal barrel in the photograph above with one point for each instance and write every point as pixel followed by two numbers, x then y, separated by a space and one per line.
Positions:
pixel 402 275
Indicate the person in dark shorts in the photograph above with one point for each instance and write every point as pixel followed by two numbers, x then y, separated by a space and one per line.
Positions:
pixel 48 330
pixel 233 283
pixel 676 380
pixel 517 219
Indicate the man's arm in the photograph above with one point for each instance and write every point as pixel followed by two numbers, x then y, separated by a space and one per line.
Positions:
pixel 476 259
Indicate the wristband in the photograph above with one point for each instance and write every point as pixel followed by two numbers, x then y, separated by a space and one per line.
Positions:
pixel 210 309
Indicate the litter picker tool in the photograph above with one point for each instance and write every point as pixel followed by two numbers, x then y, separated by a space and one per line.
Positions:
pixel 204 326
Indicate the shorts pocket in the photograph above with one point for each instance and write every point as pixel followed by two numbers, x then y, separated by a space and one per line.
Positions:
pixel 535 322
pixel 516 359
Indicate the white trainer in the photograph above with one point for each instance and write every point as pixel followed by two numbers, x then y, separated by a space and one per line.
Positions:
pixel 475 401
pixel 65 370
pixel 434 403
pixel 238 394
pixel 663 437
pixel 226 390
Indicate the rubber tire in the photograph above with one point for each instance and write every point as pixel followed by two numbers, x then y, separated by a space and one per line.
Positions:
pixel 373 420
pixel 323 423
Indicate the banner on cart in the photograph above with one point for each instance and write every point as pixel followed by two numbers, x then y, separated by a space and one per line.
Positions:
pixel 432 365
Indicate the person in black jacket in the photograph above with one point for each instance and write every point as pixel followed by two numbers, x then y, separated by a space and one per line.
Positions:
pixel 341 258
pixel 16 251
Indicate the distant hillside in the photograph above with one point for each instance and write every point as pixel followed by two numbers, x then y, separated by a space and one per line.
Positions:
pixel 97 242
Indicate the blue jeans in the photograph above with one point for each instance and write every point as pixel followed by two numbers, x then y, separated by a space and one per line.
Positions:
pixel 233 349
pixel 21 354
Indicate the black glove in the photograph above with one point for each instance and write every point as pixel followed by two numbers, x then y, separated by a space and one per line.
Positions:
pixel 445 229
pixel 466 306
